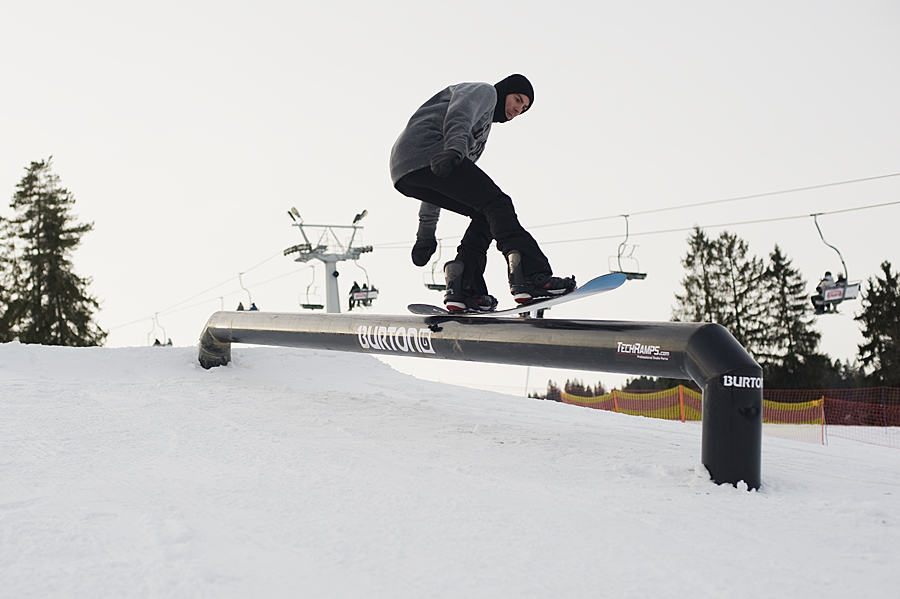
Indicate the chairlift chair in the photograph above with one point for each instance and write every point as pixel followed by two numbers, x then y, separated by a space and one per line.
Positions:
pixel 435 263
pixel 629 274
pixel 362 296
pixel 156 325
pixel 311 305
pixel 829 292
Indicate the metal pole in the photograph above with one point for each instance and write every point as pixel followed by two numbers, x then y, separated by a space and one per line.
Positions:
pixel 332 296
pixel 707 353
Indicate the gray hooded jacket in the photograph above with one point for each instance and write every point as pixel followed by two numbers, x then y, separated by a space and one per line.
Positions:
pixel 456 118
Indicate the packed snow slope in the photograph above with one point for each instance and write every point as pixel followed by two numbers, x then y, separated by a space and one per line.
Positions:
pixel 297 473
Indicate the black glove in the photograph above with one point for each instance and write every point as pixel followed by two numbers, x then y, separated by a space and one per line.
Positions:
pixel 443 163
pixel 423 250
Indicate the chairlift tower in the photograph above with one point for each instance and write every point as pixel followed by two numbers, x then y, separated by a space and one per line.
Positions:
pixel 330 250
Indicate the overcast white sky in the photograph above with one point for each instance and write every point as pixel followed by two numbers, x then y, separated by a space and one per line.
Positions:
pixel 186 130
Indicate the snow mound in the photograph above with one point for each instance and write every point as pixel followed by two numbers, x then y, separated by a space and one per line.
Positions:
pixel 134 472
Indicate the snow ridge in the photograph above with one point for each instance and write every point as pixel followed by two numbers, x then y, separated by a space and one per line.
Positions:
pixel 134 472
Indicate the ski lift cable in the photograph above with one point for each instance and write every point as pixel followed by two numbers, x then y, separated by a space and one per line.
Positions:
pixel 228 280
pixel 172 310
pixel 722 201
pixel 734 224
pixel 236 291
pixel 662 231
pixel 403 244
pixel 240 282
pixel 128 324
pixel 264 261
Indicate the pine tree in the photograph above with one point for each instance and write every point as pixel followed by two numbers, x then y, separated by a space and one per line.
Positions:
pixel 881 327
pixel 790 341
pixel 700 302
pixel 51 304
pixel 742 276
pixel 649 383
pixel 723 286
pixel 9 282
pixel 789 321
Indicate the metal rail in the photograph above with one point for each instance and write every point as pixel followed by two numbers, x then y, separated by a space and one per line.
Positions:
pixel 707 353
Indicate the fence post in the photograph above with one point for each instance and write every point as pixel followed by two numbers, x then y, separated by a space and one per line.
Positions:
pixel 615 401
pixel 681 400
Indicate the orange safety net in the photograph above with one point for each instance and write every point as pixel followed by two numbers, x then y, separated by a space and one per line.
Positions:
pixel 801 421
pixel 876 423
pixel 870 415
pixel 808 412
pixel 679 403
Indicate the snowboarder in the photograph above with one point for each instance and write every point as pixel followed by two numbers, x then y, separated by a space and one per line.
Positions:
pixel 433 160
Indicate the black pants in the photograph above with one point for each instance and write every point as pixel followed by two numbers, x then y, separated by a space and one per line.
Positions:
pixel 469 191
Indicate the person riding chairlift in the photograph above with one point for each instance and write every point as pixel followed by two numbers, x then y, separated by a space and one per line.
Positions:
pixel 818 300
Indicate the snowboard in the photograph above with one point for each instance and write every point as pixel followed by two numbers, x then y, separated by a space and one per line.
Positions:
pixel 600 284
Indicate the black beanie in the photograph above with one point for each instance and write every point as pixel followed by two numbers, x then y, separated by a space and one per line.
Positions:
pixel 514 84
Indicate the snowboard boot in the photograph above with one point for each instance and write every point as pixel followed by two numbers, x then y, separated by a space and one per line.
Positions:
pixel 535 286
pixel 457 299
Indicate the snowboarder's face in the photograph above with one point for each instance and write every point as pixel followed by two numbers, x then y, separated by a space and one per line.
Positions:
pixel 516 104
